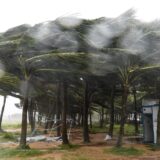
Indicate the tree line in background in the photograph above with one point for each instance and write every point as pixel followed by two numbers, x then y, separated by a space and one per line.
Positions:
pixel 70 67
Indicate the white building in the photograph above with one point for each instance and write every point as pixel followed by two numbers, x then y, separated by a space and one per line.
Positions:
pixel 150 114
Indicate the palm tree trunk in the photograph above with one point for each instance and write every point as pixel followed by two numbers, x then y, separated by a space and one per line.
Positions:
pixel 31 115
pixel 2 111
pixel 101 117
pixel 85 115
pixel 64 114
pixel 46 127
pixel 79 119
pixel 135 114
pixel 90 118
pixel 111 114
pixel 23 144
pixel 123 116
pixel 58 108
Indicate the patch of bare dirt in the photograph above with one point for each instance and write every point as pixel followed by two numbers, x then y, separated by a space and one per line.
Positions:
pixel 44 145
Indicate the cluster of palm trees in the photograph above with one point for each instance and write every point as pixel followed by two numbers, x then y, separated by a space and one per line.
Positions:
pixel 62 70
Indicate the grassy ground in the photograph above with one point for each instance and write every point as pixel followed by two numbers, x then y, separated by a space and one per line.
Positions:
pixel 11 126
pixel 8 136
pixel 76 151
pixel 129 129
pixel 10 153
pixel 125 151
pixel 71 152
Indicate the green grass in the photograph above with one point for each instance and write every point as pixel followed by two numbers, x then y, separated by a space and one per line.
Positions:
pixel 81 158
pixel 44 158
pixel 67 147
pixel 154 147
pixel 11 126
pixel 96 129
pixel 124 151
pixel 8 136
pixel 75 156
pixel 129 129
pixel 7 153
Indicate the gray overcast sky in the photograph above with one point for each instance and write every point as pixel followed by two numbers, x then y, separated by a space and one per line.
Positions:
pixel 16 12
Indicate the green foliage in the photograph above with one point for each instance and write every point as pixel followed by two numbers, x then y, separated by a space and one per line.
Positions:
pixel 7 153
pixel 124 151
